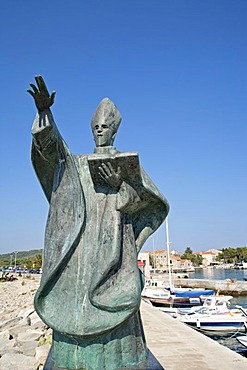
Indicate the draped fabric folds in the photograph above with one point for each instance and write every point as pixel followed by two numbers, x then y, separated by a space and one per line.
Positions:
pixel 91 283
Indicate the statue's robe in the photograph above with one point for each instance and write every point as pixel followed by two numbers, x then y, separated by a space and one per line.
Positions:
pixel 90 283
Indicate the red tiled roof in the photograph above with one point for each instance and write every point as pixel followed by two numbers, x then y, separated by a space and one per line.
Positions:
pixel 185 261
pixel 140 263
pixel 175 258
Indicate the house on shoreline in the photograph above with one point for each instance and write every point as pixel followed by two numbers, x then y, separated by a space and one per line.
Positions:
pixel 209 258
pixel 158 261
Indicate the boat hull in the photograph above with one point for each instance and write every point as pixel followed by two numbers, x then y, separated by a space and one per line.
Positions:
pixel 212 324
pixel 242 340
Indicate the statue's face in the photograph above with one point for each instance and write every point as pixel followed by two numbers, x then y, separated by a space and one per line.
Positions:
pixel 103 134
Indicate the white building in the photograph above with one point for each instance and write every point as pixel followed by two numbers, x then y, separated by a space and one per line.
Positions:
pixel 209 257
pixel 144 257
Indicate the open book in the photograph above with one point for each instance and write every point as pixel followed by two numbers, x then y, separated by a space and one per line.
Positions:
pixel 128 163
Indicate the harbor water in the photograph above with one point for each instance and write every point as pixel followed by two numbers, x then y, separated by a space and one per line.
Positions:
pixel 218 274
pixel 223 274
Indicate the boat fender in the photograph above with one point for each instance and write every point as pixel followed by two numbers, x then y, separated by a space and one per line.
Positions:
pixel 198 324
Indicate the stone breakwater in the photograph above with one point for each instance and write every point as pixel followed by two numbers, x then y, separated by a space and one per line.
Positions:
pixel 228 286
pixel 24 339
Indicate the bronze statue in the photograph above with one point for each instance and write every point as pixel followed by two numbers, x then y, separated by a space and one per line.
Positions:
pixel 103 207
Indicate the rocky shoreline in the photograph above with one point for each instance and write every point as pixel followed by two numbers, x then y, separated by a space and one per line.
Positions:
pixel 25 340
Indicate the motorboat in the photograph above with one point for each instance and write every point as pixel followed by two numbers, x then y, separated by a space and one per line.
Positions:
pixel 191 293
pixel 154 292
pixel 243 340
pixel 178 291
pixel 168 302
pixel 215 315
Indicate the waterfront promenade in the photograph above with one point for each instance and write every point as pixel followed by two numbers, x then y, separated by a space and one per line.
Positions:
pixel 177 346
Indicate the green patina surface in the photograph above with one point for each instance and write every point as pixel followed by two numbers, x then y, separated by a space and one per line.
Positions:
pixel 103 207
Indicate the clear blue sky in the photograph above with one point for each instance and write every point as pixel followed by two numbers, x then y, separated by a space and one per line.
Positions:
pixel 177 71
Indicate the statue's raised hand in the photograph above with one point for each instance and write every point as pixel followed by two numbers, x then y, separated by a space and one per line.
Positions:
pixel 43 100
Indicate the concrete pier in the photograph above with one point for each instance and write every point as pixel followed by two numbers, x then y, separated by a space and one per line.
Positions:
pixel 228 286
pixel 177 346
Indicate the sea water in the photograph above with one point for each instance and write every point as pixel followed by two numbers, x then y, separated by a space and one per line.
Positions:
pixel 219 274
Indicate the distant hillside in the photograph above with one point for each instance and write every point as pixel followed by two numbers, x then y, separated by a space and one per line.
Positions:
pixel 20 255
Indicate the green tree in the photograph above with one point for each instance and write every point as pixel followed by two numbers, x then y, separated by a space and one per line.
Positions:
pixel 188 251
pixel 28 262
pixel 151 259
pixel 196 259
pixel 231 255
pixel 38 261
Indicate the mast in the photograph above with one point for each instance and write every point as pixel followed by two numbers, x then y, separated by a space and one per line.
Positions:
pixel 168 256
pixel 153 254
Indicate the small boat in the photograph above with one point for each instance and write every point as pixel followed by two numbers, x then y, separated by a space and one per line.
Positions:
pixel 155 293
pixel 243 340
pixel 168 302
pixel 192 293
pixel 169 299
pixel 240 265
pixel 175 304
pixel 215 316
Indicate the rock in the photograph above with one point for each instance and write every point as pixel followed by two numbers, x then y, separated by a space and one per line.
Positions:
pixel 18 329
pixel 26 312
pixel 34 316
pixel 48 336
pixel 42 353
pixel 9 323
pixel 9 346
pixel 18 361
pixel 27 348
pixel 30 335
pixel 38 324
pixel 25 321
pixel 17 313
pixel 4 335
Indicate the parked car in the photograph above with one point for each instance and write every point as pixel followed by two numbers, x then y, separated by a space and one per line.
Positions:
pixel 34 271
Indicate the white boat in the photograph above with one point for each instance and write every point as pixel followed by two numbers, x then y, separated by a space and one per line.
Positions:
pixel 243 340
pixel 178 291
pixel 154 292
pixel 169 298
pixel 240 265
pixel 215 316
pixel 167 302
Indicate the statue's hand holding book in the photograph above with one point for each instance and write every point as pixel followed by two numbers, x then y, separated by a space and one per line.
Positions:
pixel 112 177
pixel 115 169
